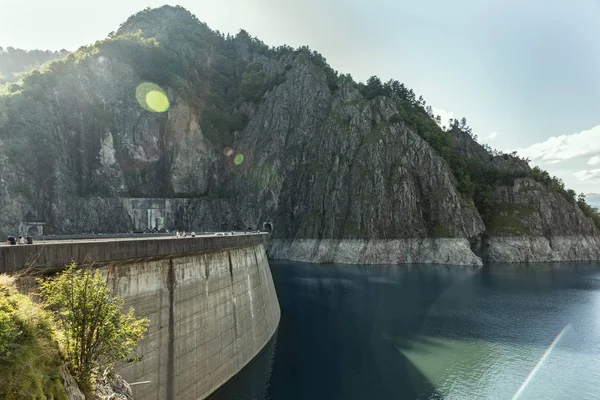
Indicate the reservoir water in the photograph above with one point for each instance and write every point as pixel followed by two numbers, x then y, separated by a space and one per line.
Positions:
pixel 430 332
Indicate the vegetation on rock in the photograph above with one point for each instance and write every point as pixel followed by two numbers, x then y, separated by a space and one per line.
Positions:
pixel 287 108
pixel 16 62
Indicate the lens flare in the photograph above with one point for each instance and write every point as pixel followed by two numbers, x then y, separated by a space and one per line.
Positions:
pixel 228 151
pixel 239 159
pixel 540 362
pixel 152 97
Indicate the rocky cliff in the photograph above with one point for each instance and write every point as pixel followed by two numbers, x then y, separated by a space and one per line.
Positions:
pixel 237 133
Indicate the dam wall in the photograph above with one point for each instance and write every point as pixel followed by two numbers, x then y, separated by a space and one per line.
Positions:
pixel 210 315
pixel 59 253
pixel 211 303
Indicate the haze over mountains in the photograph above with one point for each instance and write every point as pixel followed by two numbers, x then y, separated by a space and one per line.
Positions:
pixel 235 133
pixel 16 62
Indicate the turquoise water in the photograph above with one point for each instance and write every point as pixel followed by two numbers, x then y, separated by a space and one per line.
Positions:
pixel 430 332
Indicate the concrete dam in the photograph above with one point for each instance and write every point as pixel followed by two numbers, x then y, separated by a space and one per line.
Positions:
pixel 211 302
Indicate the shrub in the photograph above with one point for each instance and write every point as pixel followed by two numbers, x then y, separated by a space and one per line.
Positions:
pixel 29 356
pixel 96 333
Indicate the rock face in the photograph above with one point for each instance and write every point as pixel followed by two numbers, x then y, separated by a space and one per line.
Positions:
pixel 360 251
pixel 252 135
pixel 71 387
pixel 111 386
pixel 542 249
pixel 532 224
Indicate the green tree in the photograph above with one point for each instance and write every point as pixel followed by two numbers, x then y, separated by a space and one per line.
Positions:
pixel 373 88
pixel 96 332
pixel 254 82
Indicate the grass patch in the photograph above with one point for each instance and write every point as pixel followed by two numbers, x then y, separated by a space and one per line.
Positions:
pixel 442 232
pixel 526 189
pixel 509 220
pixel 376 134
pixel 30 364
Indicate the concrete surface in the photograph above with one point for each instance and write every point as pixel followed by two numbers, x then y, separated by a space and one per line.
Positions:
pixel 59 253
pixel 210 315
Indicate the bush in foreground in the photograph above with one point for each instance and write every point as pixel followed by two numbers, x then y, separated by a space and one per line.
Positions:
pixel 96 332
pixel 30 363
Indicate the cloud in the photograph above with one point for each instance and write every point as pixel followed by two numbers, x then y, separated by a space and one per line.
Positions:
pixel 594 160
pixel 593 199
pixel 566 147
pixel 587 174
pixel 491 136
pixel 445 116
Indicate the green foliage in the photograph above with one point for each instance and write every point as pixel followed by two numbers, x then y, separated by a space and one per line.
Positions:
pixel 254 82
pixel 215 75
pixel 510 219
pixel 589 211
pixel 373 88
pixel 475 179
pixel 571 196
pixel 96 333
pixel 442 232
pixel 29 357
pixel 8 325
pixel 16 62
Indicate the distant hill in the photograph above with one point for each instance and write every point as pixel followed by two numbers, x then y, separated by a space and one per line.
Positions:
pixel 16 62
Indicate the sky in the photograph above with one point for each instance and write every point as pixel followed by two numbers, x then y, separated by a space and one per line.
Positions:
pixel 525 74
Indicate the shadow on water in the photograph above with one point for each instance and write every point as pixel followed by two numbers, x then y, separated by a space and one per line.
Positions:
pixel 353 332
pixel 333 341
pixel 252 382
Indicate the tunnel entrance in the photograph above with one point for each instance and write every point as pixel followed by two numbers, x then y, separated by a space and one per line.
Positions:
pixel 267 227
pixel 32 228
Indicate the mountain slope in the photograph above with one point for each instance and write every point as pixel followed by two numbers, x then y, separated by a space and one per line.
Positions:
pixel 16 62
pixel 345 171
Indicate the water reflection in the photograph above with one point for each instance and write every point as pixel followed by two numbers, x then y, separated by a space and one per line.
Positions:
pixel 253 381
pixel 427 332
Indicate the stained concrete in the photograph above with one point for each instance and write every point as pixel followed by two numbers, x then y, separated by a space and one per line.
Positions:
pixel 210 315
pixel 60 253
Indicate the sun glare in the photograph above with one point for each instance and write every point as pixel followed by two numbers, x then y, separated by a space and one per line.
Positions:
pixel 152 97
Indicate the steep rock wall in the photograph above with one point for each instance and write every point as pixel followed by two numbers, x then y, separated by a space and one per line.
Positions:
pixel 542 249
pixel 254 134
pixel 399 251
pixel 532 224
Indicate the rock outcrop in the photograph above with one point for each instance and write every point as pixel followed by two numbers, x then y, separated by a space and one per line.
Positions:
pixel 533 224
pixel 71 387
pixel 255 134
pixel 111 386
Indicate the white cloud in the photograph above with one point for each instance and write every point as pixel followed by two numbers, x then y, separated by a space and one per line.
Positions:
pixel 587 174
pixel 445 116
pixel 558 149
pixel 491 136
pixel 594 160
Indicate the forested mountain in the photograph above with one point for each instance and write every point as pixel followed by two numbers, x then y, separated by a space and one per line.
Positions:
pixel 238 133
pixel 16 62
